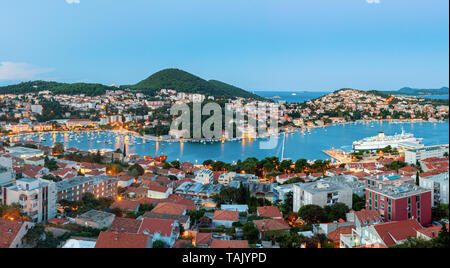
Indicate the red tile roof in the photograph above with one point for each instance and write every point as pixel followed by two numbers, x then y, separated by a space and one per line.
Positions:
pixel 268 225
pixel 169 208
pixel 408 169
pixel 229 244
pixel 121 240
pixel 433 172
pixel 182 244
pixel 226 215
pixel 271 212
pixel 203 239
pixel 399 231
pixel 126 205
pixel 431 232
pixel 125 177
pixel 153 186
pixel 336 235
pixel 8 232
pixel 366 216
pixel 151 226
pixel 125 225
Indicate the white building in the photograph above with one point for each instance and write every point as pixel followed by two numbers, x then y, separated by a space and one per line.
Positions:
pixel 238 208
pixel 36 197
pixel 24 153
pixel 283 190
pixel 37 109
pixel 321 193
pixel 226 178
pixel 6 170
pixel 439 184
pixel 204 176
pixel 414 155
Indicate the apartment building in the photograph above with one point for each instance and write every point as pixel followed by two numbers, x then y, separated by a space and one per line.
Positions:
pixel 226 178
pixel 438 184
pixel 401 201
pixel 321 193
pixel 36 197
pixel 414 155
pixel 204 176
pixel 100 186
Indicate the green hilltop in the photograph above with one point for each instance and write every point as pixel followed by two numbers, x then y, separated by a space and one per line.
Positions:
pixel 182 81
pixel 56 88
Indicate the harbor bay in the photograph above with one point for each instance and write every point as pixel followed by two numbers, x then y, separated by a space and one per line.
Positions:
pixel 308 145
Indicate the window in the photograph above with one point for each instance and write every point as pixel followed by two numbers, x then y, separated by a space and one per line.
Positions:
pixel 417 198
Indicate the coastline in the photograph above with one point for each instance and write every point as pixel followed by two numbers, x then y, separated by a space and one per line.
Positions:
pixel 205 141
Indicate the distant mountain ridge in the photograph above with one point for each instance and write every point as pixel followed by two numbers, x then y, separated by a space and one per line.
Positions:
pixel 88 89
pixel 420 92
pixel 183 81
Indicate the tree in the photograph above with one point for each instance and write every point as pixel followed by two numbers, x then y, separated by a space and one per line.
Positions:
pixel 442 239
pixel 285 166
pixel 195 215
pixel 251 233
pixel 117 211
pixel 13 211
pixel 396 165
pixel 313 214
pixel 114 169
pixel 175 164
pixel 58 148
pixel 34 234
pixel 337 211
pixel 417 179
pixel 51 164
pixel 159 244
pixel 139 170
pixel 291 240
pixel 358 203
pixel 301 165
pixel 287 205
pixel 440 212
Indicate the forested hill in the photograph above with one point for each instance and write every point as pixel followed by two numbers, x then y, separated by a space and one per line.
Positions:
pixel 420 92
pixel 56 88
pixel 166 79
pixel 182 81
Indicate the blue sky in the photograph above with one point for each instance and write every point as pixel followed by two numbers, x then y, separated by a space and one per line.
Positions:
pixel 315 45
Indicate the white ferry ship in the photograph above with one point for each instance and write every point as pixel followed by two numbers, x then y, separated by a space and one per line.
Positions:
pixel 382 141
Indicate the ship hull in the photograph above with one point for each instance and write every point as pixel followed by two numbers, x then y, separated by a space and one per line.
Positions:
pixel 378 146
